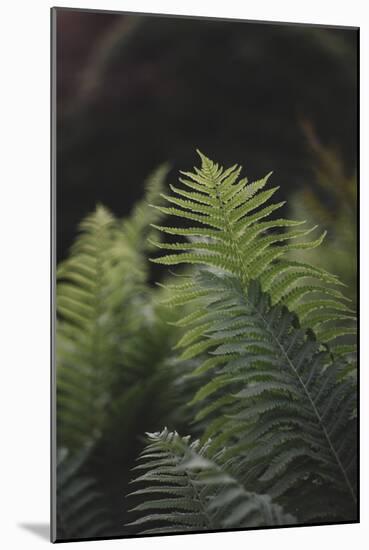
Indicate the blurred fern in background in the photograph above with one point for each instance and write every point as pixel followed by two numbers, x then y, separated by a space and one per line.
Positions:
pixel 330 201
pixel 113 353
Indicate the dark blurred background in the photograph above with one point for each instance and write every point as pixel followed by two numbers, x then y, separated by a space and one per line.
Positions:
pixel 134 91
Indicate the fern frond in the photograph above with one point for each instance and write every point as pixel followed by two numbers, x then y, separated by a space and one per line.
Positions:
pixel 190 492
pixel 233 236
pixel 275 394
pixel 84 343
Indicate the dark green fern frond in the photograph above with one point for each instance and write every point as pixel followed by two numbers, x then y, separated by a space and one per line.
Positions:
pixel 274 396
pixel 230 231
pixel 185 491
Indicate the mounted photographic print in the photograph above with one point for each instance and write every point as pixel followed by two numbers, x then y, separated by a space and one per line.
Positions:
pixel 204 206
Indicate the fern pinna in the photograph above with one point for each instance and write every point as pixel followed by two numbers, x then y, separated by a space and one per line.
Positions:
pixel 277 336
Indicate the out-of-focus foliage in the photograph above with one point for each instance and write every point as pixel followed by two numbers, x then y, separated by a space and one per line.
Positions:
pixel 331 202
pixel 115 371
pixel 103 304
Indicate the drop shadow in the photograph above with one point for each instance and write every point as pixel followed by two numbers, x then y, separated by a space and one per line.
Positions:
pixel 42 530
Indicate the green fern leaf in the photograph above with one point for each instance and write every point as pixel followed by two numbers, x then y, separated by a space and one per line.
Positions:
pixel 203 496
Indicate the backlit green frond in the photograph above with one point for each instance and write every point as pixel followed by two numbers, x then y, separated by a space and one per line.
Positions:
pixel 232 233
